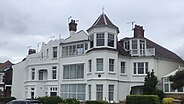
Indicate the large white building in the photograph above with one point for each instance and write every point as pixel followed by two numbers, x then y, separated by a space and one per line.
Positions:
pixel 92 65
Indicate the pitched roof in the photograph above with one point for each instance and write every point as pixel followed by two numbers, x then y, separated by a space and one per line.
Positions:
pixel 103 20
pixel 5 65
pixel 160 52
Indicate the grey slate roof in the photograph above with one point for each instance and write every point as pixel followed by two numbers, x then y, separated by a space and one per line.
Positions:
pixel 103 20
pixel 160 52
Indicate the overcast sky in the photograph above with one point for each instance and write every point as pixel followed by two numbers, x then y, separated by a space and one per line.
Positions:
pixel 26 23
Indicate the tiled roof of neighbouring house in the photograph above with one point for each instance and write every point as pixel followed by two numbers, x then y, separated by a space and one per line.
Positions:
pixel 5 65
pixel 103 20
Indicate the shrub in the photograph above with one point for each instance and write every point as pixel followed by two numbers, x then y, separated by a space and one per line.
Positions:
pixel 160 94
pixel 96 102
pixel 142 99
pixel 71 101
pixel 167 101
pixel 50 100
pixel 6 99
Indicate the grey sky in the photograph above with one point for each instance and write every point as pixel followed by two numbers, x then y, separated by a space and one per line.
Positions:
pixel 25 23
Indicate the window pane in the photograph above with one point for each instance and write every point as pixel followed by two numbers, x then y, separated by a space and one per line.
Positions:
pixel 135 68
pixel 111 92
pixel 54 52
pixel 111 65
pixel 89 62
pixel 122 67
pixel 89 91
pixel 99 64
pixel 91 40
pixel 99 92
pixel 166 87
pixel 134 44
pixel 111 40
pixel 100 39
pixel 140 68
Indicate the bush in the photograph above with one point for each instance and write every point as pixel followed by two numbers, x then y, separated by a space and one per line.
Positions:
pixel 160 94
pixel 6 99
pixel 167 101
pixel 71 101
pixel 142 99
pixel 96 102
pixel 50 100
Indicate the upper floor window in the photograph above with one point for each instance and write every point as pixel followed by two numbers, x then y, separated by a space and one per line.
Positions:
pixel 111 65
pixel 90 65
pixel 1 78
pixel 91 41
pixel 74 71
pixel 71 50
pixel 99 64
pixel 54 52
pixel 127 45
pixel 122 67
pixel 47 52
pixel 40 77
pixel 89 91
pixel 140 67
pixel 54 72
pixel 111 40
pixel 100 39
pixel 33 73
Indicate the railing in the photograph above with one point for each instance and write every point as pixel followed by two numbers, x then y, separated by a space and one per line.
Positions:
pixel 143 52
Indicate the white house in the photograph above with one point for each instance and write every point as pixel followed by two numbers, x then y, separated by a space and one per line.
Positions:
pixel 92 65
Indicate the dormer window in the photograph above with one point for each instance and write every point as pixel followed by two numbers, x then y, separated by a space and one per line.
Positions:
pixel 127 45
pixel 100 39
pixel 134 46
pixel 111 40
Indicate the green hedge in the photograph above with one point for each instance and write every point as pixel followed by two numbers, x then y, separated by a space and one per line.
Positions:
pixel 96 102
pixel 71 101
pixel 50 100
pixel 6 99
pixel 142 99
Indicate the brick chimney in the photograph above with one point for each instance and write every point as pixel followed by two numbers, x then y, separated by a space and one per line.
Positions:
pixel 72 26
pixel 138 31
pixel 31 51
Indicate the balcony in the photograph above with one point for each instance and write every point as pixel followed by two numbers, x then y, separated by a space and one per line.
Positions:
pixel 143 52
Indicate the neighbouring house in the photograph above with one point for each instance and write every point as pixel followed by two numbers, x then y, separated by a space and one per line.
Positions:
pixel 92 65
pixel 6 78
pixel 167 83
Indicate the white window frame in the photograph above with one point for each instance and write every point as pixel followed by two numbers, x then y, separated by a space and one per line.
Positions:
pixel 137 69
pixel 99 92
pixel 111 65
pixel 54 72
pixel 122 67
pixel 99 66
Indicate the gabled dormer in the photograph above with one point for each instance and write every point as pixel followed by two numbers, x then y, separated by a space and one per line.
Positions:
pixel 103 33
pixel 137 46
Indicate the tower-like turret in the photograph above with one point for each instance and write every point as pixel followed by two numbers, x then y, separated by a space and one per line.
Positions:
pixel 103 33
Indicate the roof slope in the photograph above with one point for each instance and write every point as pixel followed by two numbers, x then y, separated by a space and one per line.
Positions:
pixel 160 52
pixel 5 65
pixel 103 20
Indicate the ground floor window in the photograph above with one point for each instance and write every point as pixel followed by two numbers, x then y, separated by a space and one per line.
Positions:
pixel 111 92
pixel 73 91
pixel 99 92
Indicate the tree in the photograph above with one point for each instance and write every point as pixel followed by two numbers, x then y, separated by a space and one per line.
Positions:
pixel 150 83
pixel 177 79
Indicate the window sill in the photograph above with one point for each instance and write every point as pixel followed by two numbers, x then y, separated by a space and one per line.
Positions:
pixel 139 75
pixel 89 73
pixel 99 72
pixel 54 58
pixel 73 79
pixel 123 74
pixel 112 73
